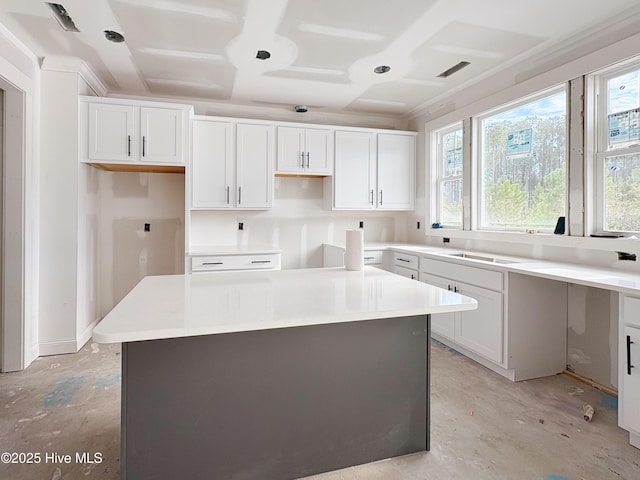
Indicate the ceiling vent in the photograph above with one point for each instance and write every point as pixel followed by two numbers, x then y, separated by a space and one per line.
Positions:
pixel 63 17
pixel 454 69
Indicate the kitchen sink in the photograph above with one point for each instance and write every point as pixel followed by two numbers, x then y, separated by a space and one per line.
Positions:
pixel 482 258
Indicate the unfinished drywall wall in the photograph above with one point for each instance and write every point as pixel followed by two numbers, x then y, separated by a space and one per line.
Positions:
pixel 128 201
pixel 298 224
pixel 592 346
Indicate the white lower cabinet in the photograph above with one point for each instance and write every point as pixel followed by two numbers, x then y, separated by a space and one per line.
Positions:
pixel 519 329
pixel 216 263
pixel 480 330
pixel 629 369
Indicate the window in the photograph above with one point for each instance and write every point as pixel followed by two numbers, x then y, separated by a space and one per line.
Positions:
pixel 618 151
pixel 522 164
pixel 449 176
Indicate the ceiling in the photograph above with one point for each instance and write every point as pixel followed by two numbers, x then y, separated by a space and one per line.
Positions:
pixel 323 52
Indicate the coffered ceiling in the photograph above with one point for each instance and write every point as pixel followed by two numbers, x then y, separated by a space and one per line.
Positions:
pixel 322 52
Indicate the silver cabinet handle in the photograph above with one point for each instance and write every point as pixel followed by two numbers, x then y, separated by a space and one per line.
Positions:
pixel 369 258
pixel 128 145
pixel 260 261
pixel 307 159
pixel 629 366
pixel 380 197
pixel 455 289
pixel 449 287
pixel 228 189
pixel 212 263
pixel 371 193
pixel 404 260
pixel 239 195
pixel 302 159
pixel 144 141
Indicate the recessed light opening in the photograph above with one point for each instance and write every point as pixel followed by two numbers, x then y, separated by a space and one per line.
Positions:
pixel 113 36
pixel 263 55
pixel 382 69
pixel 454 69
pixel 62 16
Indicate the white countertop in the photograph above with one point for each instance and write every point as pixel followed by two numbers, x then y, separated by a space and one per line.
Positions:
pixel 170 306
pixel 200 250
pixel 598 277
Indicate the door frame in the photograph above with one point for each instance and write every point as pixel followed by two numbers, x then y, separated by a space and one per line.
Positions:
pixel 12 314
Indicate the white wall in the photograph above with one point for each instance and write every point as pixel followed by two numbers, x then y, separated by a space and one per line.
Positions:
pixel 297 224
pixel 127 253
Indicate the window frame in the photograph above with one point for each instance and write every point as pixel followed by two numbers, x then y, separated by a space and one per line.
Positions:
pixel 438 170
pixel 478 182
pixel 600 80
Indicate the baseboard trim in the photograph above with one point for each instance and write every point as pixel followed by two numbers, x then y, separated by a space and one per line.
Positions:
pixel 591 383
pixel 57 348
pixel 86 335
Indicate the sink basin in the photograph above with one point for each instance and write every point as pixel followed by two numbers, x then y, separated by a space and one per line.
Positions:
pixel 481 258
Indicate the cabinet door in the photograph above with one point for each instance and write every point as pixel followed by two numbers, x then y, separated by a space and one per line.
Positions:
pixel 396 171
pixel 291 151
pixel 481 330
pixel 319 151
pixel 630 401
pixel 161 131
pixel 111 132
pixel 254 163
pixel 212 165
pixel 354 177
pixel 441 323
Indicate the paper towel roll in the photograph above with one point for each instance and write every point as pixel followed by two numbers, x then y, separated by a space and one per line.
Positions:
pixel 354 254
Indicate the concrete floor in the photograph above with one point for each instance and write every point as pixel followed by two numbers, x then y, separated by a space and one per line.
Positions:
pixel 483 426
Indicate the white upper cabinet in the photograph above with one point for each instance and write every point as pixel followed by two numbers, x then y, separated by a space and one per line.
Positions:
pixel 112 132
pixel 129 132
pixel 232 165
pixel 213 165
pixel 355 175
pixel 162 135
pixel 306 151
pixel 374 171
pixel 396 171
pixel 254 160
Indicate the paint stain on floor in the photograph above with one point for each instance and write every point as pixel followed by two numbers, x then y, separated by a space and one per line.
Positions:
pixel 64 391
pixel 609 401
pixel 109 380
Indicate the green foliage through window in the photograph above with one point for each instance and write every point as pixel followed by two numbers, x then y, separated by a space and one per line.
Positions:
pixel 526 190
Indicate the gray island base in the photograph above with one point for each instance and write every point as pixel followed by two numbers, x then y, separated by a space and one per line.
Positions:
pixel 275 404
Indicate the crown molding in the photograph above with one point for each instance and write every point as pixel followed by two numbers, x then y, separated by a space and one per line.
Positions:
pixel 54 63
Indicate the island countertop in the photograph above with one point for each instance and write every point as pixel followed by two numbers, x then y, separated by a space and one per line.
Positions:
pixel 172 306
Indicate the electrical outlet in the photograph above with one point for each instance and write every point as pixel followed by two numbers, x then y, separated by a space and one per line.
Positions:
pixel 240 226
pixel 147 227
pixel 361 224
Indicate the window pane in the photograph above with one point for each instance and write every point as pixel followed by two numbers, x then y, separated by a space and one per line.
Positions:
pixel 451 202
pixel 452 154
pixel 622 193
pixel 523 165
pixel 623 110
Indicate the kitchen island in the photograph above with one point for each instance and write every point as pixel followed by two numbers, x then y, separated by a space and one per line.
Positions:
pixel 273 374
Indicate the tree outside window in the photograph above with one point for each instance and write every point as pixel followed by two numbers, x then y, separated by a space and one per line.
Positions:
pixel 523 165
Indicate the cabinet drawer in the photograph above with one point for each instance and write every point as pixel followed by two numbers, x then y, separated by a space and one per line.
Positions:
pixel 235 262
pixel 373 257
pixel 475 276
pixel 405 260
pixel 631 311
pixel 406 272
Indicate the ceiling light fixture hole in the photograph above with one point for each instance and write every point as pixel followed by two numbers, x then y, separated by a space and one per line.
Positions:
pixel 263 55
pixel 380 69
pixel 113 36
pixel 302 108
